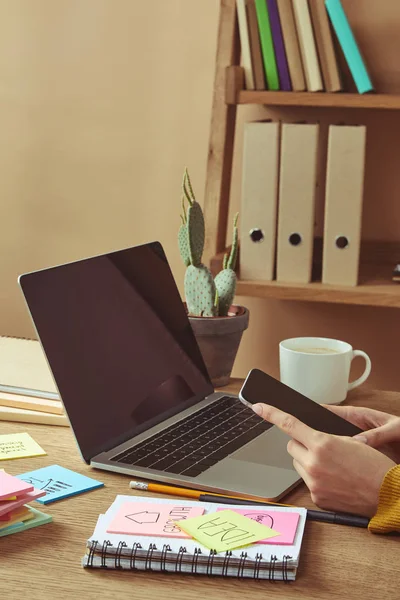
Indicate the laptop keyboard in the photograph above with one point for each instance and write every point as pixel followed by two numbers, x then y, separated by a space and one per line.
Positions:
pixel 198 442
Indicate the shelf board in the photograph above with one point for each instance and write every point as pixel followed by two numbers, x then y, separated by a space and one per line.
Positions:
pixel 320 99
pixel 375 288
pixel 372 291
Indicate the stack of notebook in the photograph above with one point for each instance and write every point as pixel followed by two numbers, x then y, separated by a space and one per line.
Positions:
pixel 15 513
pixel 27 389
pixel 201 538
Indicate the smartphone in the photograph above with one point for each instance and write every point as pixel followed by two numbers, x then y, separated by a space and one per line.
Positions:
pixel 260 387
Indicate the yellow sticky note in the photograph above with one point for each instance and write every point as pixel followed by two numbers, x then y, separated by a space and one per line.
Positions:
pixel 19 445
pixel 225 530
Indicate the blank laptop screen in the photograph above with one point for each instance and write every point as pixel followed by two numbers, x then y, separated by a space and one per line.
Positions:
pixel 118 342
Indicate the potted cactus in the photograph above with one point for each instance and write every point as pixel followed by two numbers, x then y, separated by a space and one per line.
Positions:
pixel 217 323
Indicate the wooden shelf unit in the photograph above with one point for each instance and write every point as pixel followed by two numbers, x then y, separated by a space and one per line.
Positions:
pixel 375 287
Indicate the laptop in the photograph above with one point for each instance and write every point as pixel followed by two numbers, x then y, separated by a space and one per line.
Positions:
pixel 135 389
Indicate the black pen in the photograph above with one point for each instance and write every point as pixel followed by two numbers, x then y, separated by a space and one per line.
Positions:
pixel 313 515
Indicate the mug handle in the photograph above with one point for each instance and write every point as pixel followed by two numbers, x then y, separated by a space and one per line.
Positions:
pixel 366 373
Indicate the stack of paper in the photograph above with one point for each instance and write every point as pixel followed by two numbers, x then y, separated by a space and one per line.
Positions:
pixel 27 390
pixel 15 514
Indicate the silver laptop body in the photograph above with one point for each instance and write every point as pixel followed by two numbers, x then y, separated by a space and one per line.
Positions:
pixel 134 385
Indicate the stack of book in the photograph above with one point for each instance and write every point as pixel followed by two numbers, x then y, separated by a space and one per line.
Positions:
pixel 15 513
pixel 27 389
pixel 293 45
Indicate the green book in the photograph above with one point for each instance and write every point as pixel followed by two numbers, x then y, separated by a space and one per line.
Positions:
pixel 267 45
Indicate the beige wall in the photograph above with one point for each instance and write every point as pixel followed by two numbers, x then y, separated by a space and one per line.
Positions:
pixel 102 104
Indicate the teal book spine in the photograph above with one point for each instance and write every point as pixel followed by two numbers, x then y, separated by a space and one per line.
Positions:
pixel 349 46
pixel 267 45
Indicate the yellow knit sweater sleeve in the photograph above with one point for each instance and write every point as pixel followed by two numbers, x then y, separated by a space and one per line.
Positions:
pixel 387 517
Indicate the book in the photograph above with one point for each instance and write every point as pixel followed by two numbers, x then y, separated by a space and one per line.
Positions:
pixel 279 46
pixel 149 538
pixel 297 188
pixel 349 46
pixel 326 50
pixel 292 47
pixel 21 415
pixel 308 48
pixel 267 45
pixel 255 46
pixel 343 204
pixel 31 403
pixel 24 369
pixel 245 44
pixel 259 199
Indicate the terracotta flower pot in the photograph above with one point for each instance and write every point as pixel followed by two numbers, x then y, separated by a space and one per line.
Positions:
pixel 219 339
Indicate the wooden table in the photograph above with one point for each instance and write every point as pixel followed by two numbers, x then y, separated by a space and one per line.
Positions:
pixel 44 563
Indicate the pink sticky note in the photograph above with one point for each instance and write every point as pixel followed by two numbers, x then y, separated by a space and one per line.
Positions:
pixel 12 486
pixel 5 507
pixel 284 522
pixel 144 518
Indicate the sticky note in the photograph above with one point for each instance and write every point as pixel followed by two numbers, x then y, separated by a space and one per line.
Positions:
pixel 284 522
pixel 226 530
pixel 19 516
pixel 5 507
pixel 144 518
pixel 19 445
pixel 12 486
pixel 59 482
pixel 38 518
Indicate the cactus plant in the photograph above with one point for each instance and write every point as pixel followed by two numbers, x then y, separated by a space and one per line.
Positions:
pixel 205 296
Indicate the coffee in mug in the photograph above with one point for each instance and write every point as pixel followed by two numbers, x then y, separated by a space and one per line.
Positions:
pixel 319 368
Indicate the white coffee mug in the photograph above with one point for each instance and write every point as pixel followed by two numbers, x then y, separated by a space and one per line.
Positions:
pixel 319 368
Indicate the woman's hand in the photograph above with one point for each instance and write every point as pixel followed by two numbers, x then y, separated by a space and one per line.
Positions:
pixel 341 473
pixel 381 430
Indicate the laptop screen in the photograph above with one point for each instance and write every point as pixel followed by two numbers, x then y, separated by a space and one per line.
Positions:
pixel 118 341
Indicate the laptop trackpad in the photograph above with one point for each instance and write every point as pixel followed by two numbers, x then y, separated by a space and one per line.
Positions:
pixel 267 449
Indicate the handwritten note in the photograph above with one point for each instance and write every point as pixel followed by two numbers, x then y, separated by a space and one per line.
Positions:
pixel 284 522
pixel 19 445
pixel 146 518
pixel 226 530
pixel 59 482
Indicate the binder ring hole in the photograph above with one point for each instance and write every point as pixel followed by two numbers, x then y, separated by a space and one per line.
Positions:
pixel 295 239
pixel 256 235
pixel 342 242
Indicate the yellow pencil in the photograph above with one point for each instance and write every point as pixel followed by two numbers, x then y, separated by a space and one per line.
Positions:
pixel 159 488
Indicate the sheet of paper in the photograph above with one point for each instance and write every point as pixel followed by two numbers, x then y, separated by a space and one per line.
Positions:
pixel 226 530
pixel 12 486
pixel 284 522
pixel 59 482
pixel 152 519
pixel 19 445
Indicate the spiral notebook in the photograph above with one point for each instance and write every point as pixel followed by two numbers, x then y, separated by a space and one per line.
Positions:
pixel 166 548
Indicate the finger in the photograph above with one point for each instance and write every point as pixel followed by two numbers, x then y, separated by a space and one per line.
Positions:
pixel 298 451
pixel 287 423
pixel 302 472
pixel 364 418
pixel 383 435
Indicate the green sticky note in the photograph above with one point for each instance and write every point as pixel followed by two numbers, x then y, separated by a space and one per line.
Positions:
pixel 225 530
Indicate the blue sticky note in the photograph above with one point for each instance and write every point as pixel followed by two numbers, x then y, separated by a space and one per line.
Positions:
pixel 59 482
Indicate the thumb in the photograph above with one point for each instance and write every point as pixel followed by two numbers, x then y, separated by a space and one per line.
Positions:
pixel 380 435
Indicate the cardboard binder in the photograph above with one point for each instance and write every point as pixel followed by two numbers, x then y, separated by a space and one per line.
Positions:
pixel 297 187
pixel 245 44
pixel 343 204
pixel 307 46
pixel 259 200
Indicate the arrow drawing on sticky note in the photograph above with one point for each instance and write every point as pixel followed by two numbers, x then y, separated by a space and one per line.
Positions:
pixel 144 516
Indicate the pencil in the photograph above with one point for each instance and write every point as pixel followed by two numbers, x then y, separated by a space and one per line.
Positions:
pixel 185 492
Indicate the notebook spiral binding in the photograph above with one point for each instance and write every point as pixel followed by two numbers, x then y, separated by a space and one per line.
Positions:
pixel 178 561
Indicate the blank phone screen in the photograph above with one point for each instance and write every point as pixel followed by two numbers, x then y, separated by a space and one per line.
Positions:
pixel 260 387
